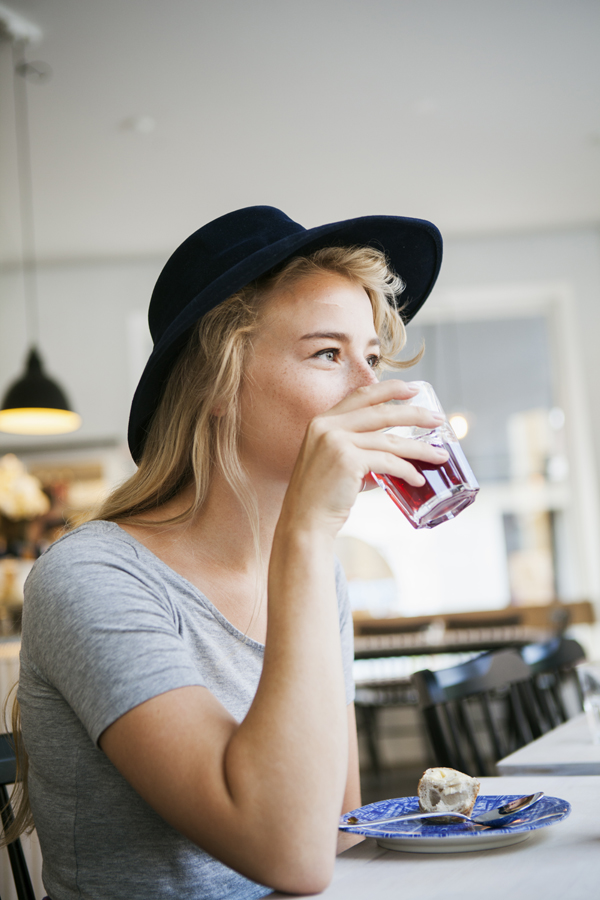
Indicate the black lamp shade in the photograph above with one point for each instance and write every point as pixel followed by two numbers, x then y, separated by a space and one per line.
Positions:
pixel 35 404
pixel 35 389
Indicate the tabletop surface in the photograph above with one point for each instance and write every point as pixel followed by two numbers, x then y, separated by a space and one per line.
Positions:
pixel 561 862
pixel 566 750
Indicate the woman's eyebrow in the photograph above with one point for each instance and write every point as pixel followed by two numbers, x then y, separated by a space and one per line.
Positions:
pixel 336 336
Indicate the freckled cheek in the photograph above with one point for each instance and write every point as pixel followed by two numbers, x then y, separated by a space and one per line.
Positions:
pixel 293 409
pixel 301 401
pixel 282 411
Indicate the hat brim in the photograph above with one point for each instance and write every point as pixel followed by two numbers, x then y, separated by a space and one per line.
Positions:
pixel 413 248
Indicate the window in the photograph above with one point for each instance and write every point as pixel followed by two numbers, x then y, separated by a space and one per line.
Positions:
pixel 505 359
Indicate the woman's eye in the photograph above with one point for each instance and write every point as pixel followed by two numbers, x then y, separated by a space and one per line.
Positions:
pixel 373 361
pixel 330 355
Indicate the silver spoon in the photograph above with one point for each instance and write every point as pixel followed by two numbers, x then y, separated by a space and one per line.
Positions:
pixel 490 817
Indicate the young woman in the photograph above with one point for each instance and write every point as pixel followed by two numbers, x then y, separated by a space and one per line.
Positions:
pixel 186 687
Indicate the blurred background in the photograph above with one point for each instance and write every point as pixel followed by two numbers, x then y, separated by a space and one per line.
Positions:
pixel 148 118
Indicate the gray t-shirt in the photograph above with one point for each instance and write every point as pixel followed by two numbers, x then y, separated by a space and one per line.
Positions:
pixel 106 626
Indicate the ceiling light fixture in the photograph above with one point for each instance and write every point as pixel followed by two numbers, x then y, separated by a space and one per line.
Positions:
pixel 34 404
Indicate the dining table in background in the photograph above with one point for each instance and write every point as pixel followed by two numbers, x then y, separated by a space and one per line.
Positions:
pixel 566 750
pixel 560 862
pixel 475 630
pixel 442 640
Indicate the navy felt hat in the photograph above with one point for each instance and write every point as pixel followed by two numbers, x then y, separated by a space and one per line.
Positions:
pixel 228 253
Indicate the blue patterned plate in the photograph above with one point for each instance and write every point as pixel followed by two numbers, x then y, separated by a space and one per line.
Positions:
pixel 418 836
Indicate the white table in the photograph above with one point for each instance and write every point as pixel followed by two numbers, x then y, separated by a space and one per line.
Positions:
pixel 561 862
pixel 566 750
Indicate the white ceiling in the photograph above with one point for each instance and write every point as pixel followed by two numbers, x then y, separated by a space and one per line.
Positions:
pixel 482 116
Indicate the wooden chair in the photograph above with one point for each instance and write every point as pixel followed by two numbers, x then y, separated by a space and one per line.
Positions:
pixel 474 712
pixel 16 856
pixel 552 668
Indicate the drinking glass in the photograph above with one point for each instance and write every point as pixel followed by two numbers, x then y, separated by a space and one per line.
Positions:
pixel 589 679
pixel 449 487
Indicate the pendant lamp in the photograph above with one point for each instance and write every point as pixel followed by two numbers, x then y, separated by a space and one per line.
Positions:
pixel 34 404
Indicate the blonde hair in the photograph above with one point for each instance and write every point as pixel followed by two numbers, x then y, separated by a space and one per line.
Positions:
pixel 186 437
pixel 18 802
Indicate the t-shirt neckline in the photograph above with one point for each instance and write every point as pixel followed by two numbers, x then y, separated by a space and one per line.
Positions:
pixel 212 609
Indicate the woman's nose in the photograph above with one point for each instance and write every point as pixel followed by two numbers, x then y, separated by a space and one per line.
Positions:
pixel 364 374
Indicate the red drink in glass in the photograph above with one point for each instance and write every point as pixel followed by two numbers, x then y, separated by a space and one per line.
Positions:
pixel 449 488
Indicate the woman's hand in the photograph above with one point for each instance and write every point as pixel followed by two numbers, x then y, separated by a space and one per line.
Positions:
pixel 345 444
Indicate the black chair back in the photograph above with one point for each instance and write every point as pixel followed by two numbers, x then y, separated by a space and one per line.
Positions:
pixel 15 850
pixel 552 668
pixel 474 712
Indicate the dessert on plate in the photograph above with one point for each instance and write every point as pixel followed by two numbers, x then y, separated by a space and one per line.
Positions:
pixel 446 790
